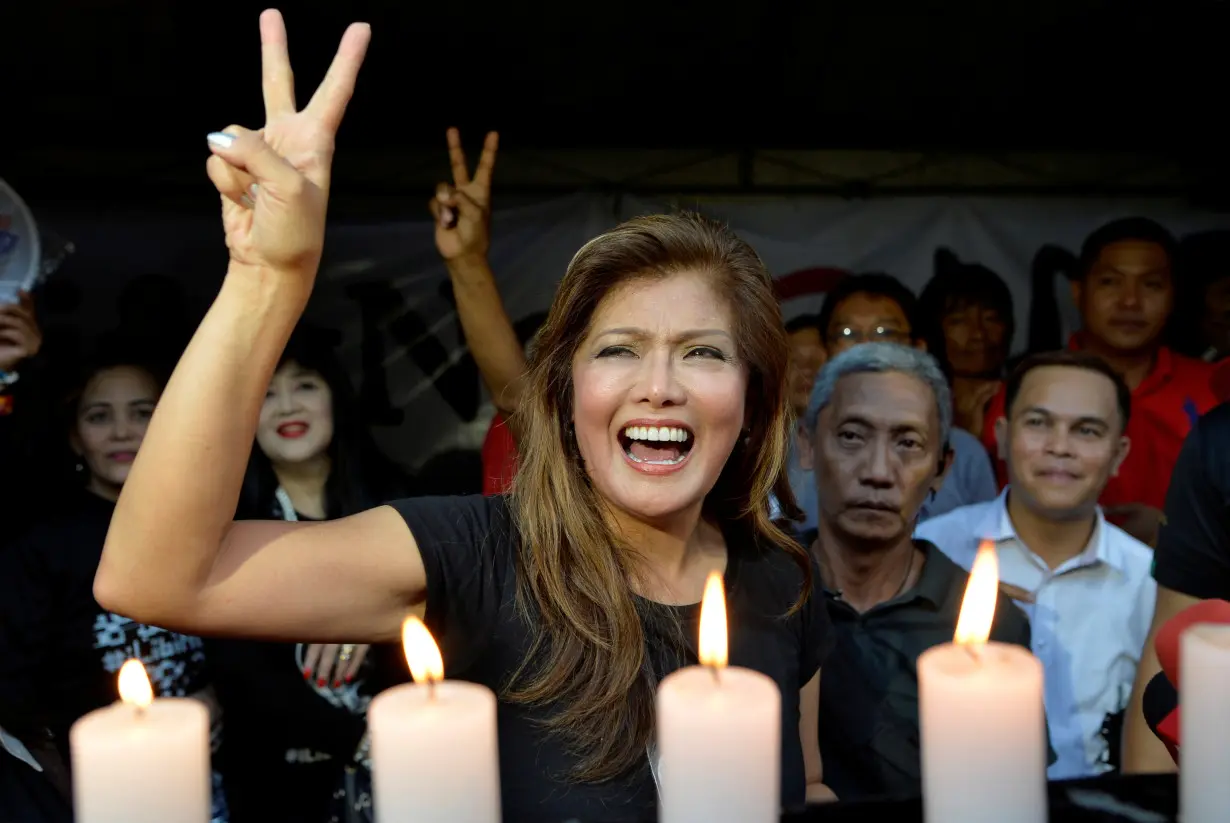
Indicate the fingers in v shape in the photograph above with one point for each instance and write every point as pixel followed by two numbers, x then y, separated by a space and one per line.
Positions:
pixel 329 102
pixel 486 161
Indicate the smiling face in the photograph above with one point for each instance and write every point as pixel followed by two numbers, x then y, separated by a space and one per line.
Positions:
pixel 1063 440
pixel 296 421
pixel 877 452
pixel 112 416
pixel 659 395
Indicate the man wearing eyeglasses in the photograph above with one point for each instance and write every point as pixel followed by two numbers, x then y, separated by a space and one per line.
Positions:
pixel 878 308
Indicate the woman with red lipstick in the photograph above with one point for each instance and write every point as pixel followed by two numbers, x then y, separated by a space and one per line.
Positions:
pixel 296 712
pixel 60 652
pixel 653 430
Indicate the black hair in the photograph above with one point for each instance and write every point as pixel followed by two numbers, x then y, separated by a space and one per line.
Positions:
pixel 360 476
pixel 1140 229
pixel 805 321
pixel 873 283
pixel 956 285
pixel 1071 360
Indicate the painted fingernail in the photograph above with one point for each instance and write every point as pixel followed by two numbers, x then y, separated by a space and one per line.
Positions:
pixel 307 674
pixel 221 140
pixel 322 682
pixel 337 684
pixel 253 190
pixel 349 677
pixel 247 201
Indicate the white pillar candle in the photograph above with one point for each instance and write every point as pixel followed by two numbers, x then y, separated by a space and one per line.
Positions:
pixel 719 733
pixel 142 760
pixel 1204 723
pixel 435 757
pixel 982 718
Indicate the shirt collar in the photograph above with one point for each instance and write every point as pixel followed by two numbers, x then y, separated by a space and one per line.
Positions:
pixel 997 526
pixel 1159 375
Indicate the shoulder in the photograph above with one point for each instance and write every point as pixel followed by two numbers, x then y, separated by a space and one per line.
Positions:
pixel 475 519
pixel 956 523
pixel 1195 378
pixel 961 440
pixel 1135 558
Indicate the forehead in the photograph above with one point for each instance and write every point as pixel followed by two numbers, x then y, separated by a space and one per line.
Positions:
pixel 1133 257
pixel 861 307
pixel 969 302
pixel 1067 391
pixel 886 400
pixel 685 300
pixel 808 335
pixel 123 383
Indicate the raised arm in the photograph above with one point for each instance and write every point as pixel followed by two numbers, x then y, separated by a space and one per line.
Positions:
pixel 173 557
pixel 463 219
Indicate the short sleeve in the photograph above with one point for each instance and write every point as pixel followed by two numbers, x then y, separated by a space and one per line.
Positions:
pixel 467 545
pixel 817 634
pixel 1193 547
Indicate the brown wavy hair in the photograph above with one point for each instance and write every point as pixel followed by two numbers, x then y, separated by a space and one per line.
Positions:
pixel 588 662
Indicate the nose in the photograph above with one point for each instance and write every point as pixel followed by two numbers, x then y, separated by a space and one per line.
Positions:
pixel 1058 444
pixel 877 470
pixel 1129 295
pixel 658 382
pixel 284 402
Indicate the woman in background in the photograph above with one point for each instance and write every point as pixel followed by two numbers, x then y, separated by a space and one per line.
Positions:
pixel 60 652
pixel 295 712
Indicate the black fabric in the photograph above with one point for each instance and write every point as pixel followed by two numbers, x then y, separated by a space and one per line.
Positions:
pixel 469 548
pixel 1193 544
pixel 869 732
pixel 281 738
pixel 1158 701
pixel 28 796
pixel 60 652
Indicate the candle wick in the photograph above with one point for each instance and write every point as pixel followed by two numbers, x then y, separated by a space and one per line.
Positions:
pixel 139 710
pixel 975 651
pixel 431 688
pixel 714 670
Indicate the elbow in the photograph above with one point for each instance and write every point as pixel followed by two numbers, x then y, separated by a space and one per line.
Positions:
pixel 125 594
pixel 113 594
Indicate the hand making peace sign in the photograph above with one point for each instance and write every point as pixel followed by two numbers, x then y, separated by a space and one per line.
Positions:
pixel 463 210
pixel 275 182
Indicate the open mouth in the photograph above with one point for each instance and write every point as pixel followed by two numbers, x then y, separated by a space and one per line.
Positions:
pixel 292 430
pixel 122 457
pixel 657 445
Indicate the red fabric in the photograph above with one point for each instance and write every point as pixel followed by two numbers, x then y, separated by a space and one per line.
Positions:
pixel 1164 407
pixel 1168 733
pixel 499 458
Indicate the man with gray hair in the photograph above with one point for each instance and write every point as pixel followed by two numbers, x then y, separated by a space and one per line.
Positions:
pixel 878 425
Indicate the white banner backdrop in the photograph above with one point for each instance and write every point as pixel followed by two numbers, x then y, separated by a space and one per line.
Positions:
pixel 383 285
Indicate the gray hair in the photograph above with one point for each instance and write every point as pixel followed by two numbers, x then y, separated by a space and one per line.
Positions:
pixel 878 358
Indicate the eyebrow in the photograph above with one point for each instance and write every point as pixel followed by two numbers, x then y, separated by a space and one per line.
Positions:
pixel 689 334
pixel 1082 420
pixel 917 427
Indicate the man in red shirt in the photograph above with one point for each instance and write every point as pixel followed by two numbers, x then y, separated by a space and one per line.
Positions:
pixel 1124 288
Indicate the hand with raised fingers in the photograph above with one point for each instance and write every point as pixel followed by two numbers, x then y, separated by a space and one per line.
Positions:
pixel 463 209
pixel 274 182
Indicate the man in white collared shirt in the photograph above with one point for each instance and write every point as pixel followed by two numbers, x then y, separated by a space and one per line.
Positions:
pixel 1084 583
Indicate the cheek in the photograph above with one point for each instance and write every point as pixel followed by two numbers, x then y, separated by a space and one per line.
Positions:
pixel 93 439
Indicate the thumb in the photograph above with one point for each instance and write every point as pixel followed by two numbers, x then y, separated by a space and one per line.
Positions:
pixel 246 150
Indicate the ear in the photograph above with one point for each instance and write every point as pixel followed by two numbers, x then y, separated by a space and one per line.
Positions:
pixel 1001 438
pixel 945 467
pixel 802 442
pixel 1076 287
pixel 920 344
pixel 1121 453
pixel 74 441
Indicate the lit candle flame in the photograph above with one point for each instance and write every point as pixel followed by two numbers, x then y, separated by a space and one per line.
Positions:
pixel 712 650
pixel 981 593
pixel 135 689
pixel 422 653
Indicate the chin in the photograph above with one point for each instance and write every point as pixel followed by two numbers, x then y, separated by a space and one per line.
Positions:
pixel 653 498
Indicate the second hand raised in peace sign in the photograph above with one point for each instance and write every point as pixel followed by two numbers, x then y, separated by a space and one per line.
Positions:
pixel 463 209
pixel 275 182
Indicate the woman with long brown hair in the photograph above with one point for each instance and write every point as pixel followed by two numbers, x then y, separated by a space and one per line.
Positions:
pixel 654 430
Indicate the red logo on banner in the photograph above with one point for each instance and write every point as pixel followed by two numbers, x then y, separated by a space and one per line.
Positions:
pixel 818 280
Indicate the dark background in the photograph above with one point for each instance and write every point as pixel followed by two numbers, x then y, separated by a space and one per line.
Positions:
pixel 108 101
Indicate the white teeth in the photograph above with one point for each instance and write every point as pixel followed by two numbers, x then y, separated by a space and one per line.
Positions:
pixel 657 433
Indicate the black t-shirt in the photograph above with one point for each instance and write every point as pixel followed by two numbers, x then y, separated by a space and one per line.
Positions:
pixel 60 652
pixel 469 551
pixel 1193 545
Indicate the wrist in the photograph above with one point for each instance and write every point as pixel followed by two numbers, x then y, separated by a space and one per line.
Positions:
pixel 263 289
pixel 469 263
